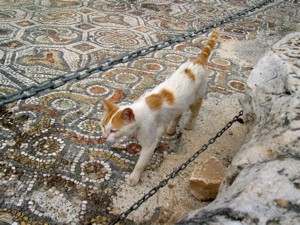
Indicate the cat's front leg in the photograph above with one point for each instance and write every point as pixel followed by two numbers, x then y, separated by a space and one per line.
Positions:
pixel 145 156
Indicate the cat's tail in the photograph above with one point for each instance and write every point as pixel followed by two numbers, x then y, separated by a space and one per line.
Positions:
pixel 205 53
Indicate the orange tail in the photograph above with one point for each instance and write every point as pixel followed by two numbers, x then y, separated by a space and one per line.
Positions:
pixel 204 55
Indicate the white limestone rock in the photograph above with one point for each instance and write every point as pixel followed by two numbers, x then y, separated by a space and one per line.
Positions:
pixel 262 184
pixel 262 193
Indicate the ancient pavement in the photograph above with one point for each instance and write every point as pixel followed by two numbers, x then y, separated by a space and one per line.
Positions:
pixel 54 167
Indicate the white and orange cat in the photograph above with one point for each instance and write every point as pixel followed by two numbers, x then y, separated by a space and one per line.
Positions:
pixel 164 105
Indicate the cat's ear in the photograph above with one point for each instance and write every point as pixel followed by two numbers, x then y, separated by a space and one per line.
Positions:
pixel 127 115
pixel 108 105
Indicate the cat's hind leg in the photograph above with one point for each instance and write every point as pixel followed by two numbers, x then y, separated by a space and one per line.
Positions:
pixel 195 108
pixel 172 127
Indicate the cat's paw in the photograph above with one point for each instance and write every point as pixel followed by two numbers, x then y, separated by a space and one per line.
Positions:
pixel 133 180
pixel 171 131
pixel 189 126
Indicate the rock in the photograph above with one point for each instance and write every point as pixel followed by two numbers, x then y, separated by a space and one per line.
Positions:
pixel 262 184
pixel 254 197
pixel 206 179
pixel 118 146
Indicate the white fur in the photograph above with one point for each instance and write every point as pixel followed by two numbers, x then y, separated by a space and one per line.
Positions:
pixel 149 124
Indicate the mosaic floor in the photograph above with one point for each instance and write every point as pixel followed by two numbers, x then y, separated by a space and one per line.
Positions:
pixel 54 167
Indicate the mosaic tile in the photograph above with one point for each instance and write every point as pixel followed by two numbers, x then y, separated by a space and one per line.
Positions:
pixel 11 45
pixel 52 35
pixel 25 23
pixel 85 26
pixel 84 47
pixel 54 166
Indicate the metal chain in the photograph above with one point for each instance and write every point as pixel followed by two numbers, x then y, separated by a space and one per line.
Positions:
pixel 164 182
pixel 107 64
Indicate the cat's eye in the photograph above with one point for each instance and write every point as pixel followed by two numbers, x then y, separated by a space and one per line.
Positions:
pixel 113 131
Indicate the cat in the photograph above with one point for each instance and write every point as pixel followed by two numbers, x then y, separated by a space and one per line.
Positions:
pixel 164 105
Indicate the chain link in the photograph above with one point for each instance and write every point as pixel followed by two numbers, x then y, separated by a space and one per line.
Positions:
pixel 175 173
pixel 107 64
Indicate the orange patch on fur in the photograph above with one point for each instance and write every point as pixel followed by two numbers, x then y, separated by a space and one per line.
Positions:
pixel 108 115
pixel 117 121
pixel 168 96
pixel 202 59
pixel 155 101
pixel 204 55
pixel 190 74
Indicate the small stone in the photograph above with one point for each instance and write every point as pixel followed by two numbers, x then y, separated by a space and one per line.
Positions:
pixel 63 215
pixel 282 202
pixel 118 146
pixel 206 179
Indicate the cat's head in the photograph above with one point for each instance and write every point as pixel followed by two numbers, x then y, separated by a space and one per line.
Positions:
pixel 116 122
